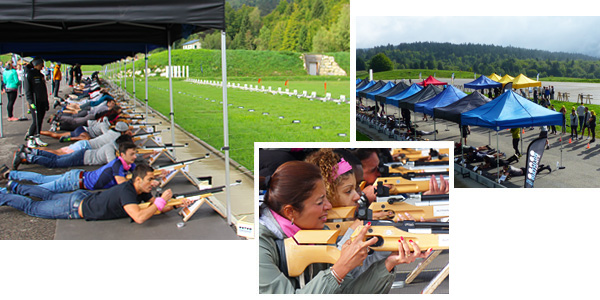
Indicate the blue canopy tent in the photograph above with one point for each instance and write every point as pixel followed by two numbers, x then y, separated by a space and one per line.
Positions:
pixel 446 97
pixel 482 82
pixel 387 86
pixel 364 85
pixel 360 84
pixel 363 93
pixel 413 89
pixel 397 89
pixel 510 110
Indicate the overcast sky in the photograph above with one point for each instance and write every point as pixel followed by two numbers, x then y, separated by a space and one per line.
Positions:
pixel 566 34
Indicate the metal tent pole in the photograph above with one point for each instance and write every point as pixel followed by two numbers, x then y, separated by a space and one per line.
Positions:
pixel 170 74
pixel 146 72
pixel 133 79
pixel 225 123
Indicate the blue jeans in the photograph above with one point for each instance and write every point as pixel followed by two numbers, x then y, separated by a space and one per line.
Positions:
pixel 52 206
pixel 83 144
pixel 51 160
pixel 67 182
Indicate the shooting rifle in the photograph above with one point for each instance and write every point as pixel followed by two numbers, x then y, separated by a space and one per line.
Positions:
pixel 395 170
pixel 319 246
pixel 155 136
pixel 418 155
pixel 426 207
pixel 198 198
pixel 180 167
pixel 158 151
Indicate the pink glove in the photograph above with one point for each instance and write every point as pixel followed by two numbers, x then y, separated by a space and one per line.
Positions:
pixel 160 203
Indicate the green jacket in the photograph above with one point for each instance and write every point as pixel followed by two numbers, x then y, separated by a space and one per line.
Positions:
pixel 376 279
pixel 11 80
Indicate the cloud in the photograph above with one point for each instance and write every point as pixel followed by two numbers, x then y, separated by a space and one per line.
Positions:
pixel 566 34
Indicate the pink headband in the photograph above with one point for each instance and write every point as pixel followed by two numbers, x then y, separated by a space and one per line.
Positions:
pixel 343 167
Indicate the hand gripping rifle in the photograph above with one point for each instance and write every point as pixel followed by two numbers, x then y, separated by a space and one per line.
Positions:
pixel 418 206
pixel 196 196
pixel 319 246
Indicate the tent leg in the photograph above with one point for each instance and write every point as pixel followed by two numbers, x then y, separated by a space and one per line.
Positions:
pixel 146 73
pixel 170 74
pixel 498 156
pixel 133 79
pixel 561 156
pixel 225 123
pixel 434 131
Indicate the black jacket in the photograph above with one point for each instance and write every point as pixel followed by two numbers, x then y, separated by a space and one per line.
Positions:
pixel 34 85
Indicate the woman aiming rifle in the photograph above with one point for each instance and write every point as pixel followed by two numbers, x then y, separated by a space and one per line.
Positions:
pixel 295 200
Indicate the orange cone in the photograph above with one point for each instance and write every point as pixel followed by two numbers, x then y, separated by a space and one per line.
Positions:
pixel 588 146
pixel 523 130
pixel 569 140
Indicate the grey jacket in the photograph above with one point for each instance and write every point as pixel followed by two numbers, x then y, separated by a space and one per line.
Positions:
pixel 376 279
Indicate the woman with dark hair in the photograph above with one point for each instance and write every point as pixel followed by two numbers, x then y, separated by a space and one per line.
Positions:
pixel 295 200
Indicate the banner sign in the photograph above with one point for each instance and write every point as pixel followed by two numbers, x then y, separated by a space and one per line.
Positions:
pixel 534 156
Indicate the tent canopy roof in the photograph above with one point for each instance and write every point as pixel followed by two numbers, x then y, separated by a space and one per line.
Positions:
pixel 432 81
pixel 453 111
pixel 510 111
pixel 482 83
pixel 70 24
pixel 446 97
pixel 413 89
pixel 494 77
pixel 522 81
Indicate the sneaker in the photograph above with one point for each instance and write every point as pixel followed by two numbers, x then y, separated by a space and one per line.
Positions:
pixel 31 143
pixel 53 127
pixel 10 186
pixel 39 142
pixel 12 119
pixel 64 139
pixel 24 149
pixel 18 158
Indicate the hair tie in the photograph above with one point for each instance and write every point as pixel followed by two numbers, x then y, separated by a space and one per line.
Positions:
pixel 342 167
pixel 267 183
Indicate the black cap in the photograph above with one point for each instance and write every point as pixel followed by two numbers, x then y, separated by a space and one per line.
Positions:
pixel 37 61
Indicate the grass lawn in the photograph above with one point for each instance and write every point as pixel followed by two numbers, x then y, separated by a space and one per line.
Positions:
pixel 198 109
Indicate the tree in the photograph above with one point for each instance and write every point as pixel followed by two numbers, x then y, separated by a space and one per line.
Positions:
pixel 380 63
pixel 360 64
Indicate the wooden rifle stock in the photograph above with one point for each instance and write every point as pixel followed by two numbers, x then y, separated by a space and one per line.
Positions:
pixel 400 185
pixel 319 246
pixel 389 233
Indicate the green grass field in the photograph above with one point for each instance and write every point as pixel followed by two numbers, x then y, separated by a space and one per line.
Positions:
pixel 198 109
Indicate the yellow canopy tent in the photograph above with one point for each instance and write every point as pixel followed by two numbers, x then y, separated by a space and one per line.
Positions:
pixel 523 81
pixel 506 79
pixel 494 77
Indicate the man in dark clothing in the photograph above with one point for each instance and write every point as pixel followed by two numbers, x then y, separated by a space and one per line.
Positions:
pixel 77 73
pixel 37 96
pixel 120 201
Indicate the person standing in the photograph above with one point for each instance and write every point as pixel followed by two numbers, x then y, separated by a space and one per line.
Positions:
pixel 56 78
pixel 563 111
pixel 37 95
pixel 77 73
pixel 516 137
pixel 574 120
pixel 11 87
pixel 70 76
pixel 592 125
pixel 581 113
pixel 586 116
